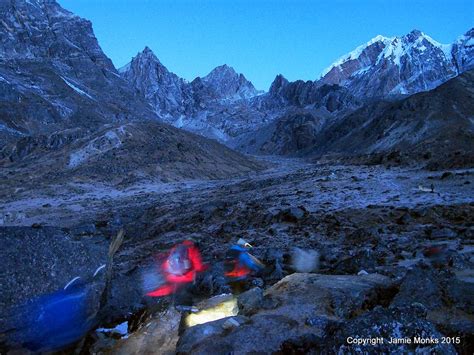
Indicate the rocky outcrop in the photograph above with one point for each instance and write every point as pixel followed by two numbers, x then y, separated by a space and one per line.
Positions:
pixel 194 105
pixel 463 51
pixel 53 74
pixel 227 84
pixel 298 305
pixel 168 94
pixel 332 98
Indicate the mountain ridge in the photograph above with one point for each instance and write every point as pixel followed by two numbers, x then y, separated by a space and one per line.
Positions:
pixel 224 104
pixel 402 65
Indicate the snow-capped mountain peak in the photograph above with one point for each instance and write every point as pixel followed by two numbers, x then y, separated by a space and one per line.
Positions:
pixel 356 53
pixel 407 64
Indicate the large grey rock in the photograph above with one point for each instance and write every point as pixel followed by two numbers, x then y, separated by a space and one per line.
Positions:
pixel 298 305
pixel 199 333
pixel 250 301
pixel 158 336
pixel 420 285
pixel 49 260
pixel 302 295
pixel 461 289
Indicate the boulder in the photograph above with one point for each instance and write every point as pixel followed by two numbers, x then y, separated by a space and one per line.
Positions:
pixel 250 301
pixel 158 336
pixel 199 333
pixel 298 306
pixel 420 285
pixel 341 296
pixel 50 259
pixel 292 215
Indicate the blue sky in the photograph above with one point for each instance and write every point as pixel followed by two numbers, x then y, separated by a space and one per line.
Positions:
pixel 261 38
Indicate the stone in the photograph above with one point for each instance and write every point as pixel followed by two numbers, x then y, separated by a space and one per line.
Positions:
pixel 292 215
pixel 419 285
pixel 250 301
pixel 158 336
pixel 301 304
pixel 199 333
pixel 460 290
pixel 214 308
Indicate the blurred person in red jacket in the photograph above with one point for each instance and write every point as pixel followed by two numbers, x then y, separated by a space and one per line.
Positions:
pixel 174 270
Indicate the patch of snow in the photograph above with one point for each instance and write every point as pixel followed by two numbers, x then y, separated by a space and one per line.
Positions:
pixel 97 146
pixel 11 130
pixel 121 329
pixel 77 89
pixel 114 73
pixel 446 48
pixel 469 42
pixel 63 110
pixel 33 3
pixel 355 53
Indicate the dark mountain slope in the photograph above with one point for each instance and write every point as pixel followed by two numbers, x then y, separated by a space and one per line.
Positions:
pixel 62 103
pixel 435 125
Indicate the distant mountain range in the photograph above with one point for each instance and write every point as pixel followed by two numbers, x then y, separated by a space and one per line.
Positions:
pixel 401 65
pixel 383 68
pixel 58 90
pixel 437 124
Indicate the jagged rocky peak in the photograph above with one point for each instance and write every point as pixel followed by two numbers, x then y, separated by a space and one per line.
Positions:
pixel 228 83
pixel 43 30
pixel 278 83
pixel 145 65
pixel 167 93
pixel 399 65
pixel 364 54
pixel 381 49
pixel 463 51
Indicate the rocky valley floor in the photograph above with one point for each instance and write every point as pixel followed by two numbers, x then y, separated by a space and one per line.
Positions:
pixel 396 249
